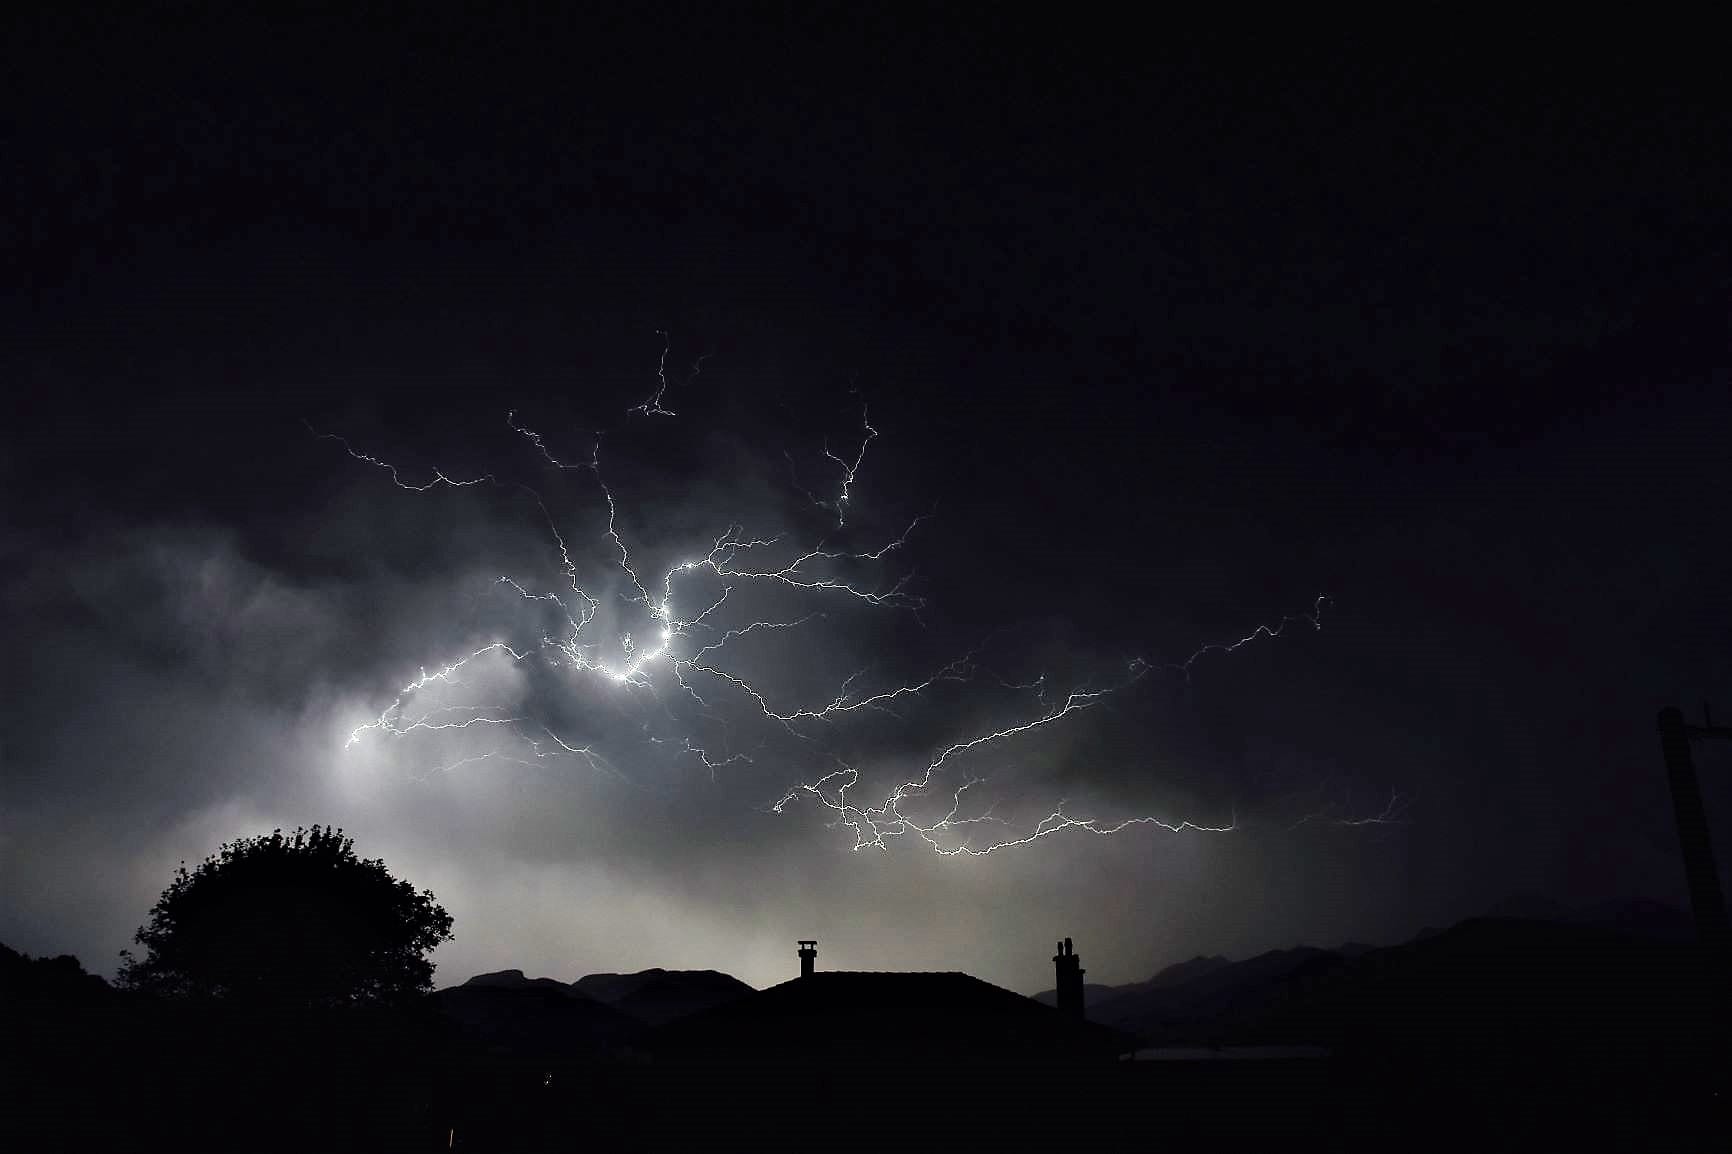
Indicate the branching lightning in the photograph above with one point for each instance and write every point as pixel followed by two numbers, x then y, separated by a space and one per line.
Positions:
pixel 652 405
pixel 838 504
pixel 1313 619
pixel 682 647
pixel 1394 812
pixel 437 479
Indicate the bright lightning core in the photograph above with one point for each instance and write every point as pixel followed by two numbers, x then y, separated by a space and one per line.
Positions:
pixel 633 667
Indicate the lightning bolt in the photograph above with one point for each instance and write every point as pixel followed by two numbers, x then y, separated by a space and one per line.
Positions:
pixel 868 435
pixel 652 405
pixel 1394 812
pixel 838 504
pixel 1313 619
pixel 681 653
pixel 437 479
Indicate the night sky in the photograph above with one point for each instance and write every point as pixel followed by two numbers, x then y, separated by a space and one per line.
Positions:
pixel 1409 346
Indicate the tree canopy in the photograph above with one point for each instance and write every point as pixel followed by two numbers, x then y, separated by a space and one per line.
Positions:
pixel 295 919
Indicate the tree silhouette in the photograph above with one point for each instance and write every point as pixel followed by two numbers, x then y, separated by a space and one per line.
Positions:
pixel 295 920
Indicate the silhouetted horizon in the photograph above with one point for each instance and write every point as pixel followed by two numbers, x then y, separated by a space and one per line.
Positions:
pixel 1637 917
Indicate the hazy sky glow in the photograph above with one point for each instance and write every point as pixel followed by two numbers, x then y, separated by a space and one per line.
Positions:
pixel 788 707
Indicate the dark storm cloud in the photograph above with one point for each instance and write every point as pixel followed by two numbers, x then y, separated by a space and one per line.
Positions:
pixel 173 689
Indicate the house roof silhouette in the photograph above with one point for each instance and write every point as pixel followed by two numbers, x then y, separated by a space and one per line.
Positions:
pixel 858 1013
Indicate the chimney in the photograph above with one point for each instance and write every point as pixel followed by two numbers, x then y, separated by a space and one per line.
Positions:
pixel 1070 980
pixel 808 956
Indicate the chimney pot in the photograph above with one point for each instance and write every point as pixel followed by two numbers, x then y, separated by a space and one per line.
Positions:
pixel 808 956
pixel 1070 979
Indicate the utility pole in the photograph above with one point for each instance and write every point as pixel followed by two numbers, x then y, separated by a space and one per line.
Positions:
pixel 1706 899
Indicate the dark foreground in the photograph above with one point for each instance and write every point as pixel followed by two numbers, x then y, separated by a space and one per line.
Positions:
pixel 144 1078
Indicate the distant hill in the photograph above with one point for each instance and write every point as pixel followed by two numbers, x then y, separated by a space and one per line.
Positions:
pixel 658 996
pixel 1185 971
pixel 1190 1008
pixel 595 1016
pixel 1496 983
pixel 1092 993
pixel 1184 1006
pixel 1171 976
pixel 509 1013
pixel 514 980
pixel 1646 920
